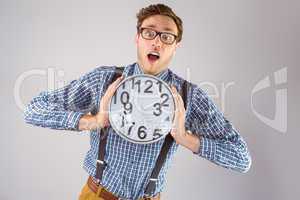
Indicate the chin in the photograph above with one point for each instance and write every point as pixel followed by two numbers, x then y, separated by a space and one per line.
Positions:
pixel 149 71
pixel 152 69
pixel 147 68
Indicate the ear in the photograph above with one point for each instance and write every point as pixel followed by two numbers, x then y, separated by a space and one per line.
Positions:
pixel 177 45
pixel 136 38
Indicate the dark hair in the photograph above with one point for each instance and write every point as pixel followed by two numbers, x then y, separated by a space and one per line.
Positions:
pixel 159 9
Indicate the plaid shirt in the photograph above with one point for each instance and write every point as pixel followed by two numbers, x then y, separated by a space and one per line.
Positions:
pixel 129 165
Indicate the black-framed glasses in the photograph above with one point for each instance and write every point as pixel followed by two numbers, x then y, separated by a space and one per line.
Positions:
pixel 165 37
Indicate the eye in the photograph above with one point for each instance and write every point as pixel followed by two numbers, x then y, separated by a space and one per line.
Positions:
pixel 168 38
pixel 148 33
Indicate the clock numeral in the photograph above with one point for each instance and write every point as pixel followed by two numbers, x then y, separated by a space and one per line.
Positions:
pixel 115 98
pixel 138 83
pixel 123 85
pixel 128 108
pixel 130 128
pixel 158 106
pixel 149 83
pixel 158 111
pixel 157 133
pixel 124 98
pixel 142 132
pixel 159 85
pixel 123 121
pixel 164 103
pixel 167 119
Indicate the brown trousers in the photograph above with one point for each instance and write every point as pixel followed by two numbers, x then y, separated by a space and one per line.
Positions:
pixel 88 194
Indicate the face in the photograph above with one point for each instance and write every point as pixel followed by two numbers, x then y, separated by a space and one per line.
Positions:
pixel 154 56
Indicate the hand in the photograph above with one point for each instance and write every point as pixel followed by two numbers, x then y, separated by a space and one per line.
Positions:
pixel 178 130
pixel 179 133
pixel 102 119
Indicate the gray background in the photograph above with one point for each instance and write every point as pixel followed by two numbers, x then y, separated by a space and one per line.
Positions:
pixel 224 41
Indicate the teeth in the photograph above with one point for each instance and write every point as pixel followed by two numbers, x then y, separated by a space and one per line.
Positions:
pixel 154 53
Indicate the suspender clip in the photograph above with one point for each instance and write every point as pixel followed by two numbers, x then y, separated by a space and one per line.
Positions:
pixel 101 162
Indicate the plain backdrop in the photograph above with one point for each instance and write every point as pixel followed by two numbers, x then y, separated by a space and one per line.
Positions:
pixel 233 43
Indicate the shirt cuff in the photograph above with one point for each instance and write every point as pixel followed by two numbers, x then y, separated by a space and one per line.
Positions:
pixel 71 120
pixel 207 148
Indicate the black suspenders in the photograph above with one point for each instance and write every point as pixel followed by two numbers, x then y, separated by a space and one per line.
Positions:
pixel 103 137
pixel 165 148
pixel 163 153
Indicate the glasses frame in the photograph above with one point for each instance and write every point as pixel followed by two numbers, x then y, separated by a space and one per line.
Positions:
pixel 158 33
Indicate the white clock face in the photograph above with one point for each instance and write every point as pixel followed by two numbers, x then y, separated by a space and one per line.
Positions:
pixel 142 109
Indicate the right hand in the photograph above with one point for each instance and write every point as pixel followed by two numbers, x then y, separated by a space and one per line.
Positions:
pixel 102 119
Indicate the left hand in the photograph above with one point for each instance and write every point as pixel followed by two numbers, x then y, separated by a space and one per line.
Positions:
pixel 178 130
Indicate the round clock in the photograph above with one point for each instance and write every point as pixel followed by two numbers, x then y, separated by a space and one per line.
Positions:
pixel 142 109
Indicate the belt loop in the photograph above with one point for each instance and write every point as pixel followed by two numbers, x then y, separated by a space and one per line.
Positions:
pixel 99 190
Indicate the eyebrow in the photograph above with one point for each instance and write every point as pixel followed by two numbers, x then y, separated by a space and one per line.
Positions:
pixel 165 29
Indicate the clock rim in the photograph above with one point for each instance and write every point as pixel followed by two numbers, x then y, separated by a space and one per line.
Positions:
pixel 118 86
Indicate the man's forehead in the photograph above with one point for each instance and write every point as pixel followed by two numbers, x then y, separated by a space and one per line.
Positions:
pixel 164 28
pixel 163 23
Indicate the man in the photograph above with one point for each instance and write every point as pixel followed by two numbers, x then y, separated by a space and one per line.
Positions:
pixel 83 105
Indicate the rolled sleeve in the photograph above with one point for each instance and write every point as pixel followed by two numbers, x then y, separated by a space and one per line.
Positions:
pixel 207 148
pixel 71 120
pixel 63 107
pixel 220 142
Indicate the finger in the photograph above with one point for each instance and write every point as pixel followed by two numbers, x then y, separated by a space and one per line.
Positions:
pixel 113 86
pixel 174 92
pixel 175 95
pixel 177 117
pixel 109 93
pixel 116 82
pixel 176 114
pixel 181 103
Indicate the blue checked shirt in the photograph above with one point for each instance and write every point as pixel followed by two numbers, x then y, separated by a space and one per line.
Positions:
pixel 129 165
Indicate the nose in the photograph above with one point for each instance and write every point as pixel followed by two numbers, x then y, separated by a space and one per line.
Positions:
pixel 157 42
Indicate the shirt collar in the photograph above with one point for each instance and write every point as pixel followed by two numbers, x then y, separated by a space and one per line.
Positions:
pixel 164 75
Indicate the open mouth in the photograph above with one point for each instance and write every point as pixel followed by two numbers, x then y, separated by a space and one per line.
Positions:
pixel 153 56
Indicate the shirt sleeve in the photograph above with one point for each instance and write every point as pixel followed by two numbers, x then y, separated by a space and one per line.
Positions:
pixel 62 108
pixel 219 140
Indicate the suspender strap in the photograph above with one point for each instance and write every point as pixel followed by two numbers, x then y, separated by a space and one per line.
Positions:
pixel 100 165
pixel 102 133
pixel 158 165
pixel 165 148
pixel 184 92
